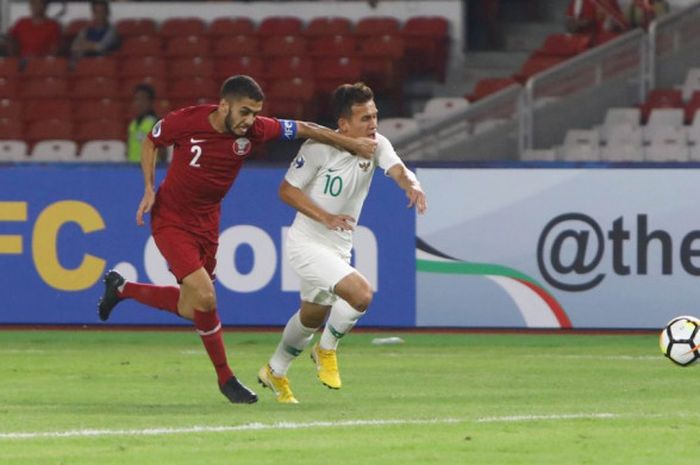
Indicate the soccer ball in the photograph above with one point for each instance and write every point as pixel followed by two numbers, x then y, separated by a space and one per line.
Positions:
pixel 680 340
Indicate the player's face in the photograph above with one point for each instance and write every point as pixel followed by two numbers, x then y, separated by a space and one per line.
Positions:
pixel 362 122
pixel 241 115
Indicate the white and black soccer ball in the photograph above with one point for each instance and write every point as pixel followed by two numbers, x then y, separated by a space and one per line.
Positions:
pixel 680 340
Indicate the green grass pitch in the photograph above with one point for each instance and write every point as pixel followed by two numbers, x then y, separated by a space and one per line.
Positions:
pixel 138 398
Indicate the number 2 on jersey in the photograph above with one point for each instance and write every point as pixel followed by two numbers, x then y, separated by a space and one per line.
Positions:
pixel 334 185
pixel 197 151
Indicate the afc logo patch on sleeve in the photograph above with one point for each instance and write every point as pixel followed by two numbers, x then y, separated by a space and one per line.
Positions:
pixel 156 128
pixel 299 162
pixel 289 129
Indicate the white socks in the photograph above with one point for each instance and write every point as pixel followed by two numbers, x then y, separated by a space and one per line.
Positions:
pixel 342 319
pixel 295 338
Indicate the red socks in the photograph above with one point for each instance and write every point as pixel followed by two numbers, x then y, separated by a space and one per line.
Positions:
pixel 162 297
pixel 209 328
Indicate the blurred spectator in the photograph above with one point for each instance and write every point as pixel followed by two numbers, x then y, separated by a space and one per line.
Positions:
pixel 141 125
pixel 642 12
pixel 99 37
pixel 35 35
pixel 594 17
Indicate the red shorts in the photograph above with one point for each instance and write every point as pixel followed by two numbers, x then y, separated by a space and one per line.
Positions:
pixel 185 252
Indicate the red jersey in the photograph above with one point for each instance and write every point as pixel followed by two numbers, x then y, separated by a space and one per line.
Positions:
pixel 36 39
pixel 204 166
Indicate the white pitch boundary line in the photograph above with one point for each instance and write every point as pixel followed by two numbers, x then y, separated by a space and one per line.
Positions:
pixel 221 429
pixel 524 418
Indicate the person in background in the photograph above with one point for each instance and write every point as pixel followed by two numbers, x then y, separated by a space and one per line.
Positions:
pixel 594 17
pixel 36 35
pixel 99 37
pixel 142 124
pixel 642 12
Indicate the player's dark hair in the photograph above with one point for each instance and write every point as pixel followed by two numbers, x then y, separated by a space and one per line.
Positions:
pixel 241 86
pixel 347 95
pixel 146 89
pixel 94 3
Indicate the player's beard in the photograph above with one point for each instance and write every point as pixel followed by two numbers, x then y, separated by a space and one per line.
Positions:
pixel 228 122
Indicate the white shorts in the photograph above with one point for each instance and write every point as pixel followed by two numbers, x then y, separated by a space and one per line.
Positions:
pixel 320 269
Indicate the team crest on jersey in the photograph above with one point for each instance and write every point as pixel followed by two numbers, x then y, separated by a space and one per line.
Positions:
pixel 156 129
pixel 365 165
pixel 299 162
pixel 242 146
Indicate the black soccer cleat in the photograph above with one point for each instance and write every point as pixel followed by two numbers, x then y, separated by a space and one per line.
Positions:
pixel 237 393
pixel 110 298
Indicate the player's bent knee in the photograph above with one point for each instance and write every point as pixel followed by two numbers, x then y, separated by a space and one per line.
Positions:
pixel 362 300
pixel 205 300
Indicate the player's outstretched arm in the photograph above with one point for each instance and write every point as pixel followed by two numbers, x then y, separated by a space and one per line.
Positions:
pixel 301 202
pixel 409 183
pixel 148 166
pixel 362 146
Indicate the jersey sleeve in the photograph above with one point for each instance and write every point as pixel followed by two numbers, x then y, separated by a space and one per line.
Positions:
pixel 166 130
pixel 385 155
pixel 306 164
pixel 268 128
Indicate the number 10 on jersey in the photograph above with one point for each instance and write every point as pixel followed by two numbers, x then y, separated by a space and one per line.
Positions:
pixel 334 185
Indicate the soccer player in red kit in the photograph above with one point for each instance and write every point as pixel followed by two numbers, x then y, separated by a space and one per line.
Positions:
pixel 211 142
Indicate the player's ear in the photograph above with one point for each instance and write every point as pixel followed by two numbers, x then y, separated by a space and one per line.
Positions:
pixel 224 106
pixel 343 124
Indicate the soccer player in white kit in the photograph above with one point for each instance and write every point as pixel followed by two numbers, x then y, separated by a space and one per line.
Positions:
pixel 327 186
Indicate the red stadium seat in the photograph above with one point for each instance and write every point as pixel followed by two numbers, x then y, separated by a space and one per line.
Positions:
pixel 331 72
pixel 565 45
pixel 88 110
pixel 381 59
pixel 190 67
pixel 661 98
pixel 46 66
pixel 162 106
pixel 143 45
pixel 377 26
pixel 8 87
pixel 535 64
pixel 285 108
pixel 333 46
pixel 187 46
pixel 136 27
pixel 226 67
pixel 289 67
pixel 49 129
pixel 9 67
pixel 280 45
pixel 174 27
pixel 225 27
pixel 292 98
pixel 42 109
pixel 192 89
pixel 96 66
pixel 127 86
pixel 280 25
pixel 292 88
pixel 489 86
pixel 100 129
pixel 190 101
pixel 11 129
pixel 48 87
pixel 94 87
pixel 134 67
pixel 328 26
pixel 11 108
pixel 427 44
pixel 240 45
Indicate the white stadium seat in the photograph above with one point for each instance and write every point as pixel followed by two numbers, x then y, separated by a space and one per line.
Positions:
pixel 103 151
pixel 54 151
pixel 691 84
pixel 662 118
pixel 619 117
pixel 13 150
pixel 624 144
pixel 668 144
pixel 395 127
pixel 581 145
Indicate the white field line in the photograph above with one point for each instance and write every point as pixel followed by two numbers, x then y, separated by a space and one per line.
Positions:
pixel 320 424
pixel 524 418
pixel 221 429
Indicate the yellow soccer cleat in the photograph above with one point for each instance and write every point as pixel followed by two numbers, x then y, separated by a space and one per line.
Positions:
pixel 278 384
pixel 326 366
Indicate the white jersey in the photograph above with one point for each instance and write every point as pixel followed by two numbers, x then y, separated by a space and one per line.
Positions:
pixel 337 181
